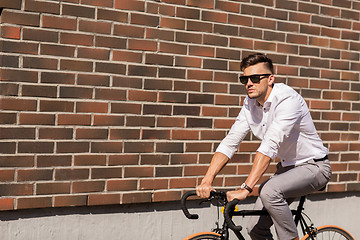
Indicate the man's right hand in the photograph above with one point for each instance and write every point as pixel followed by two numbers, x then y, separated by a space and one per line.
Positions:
pixel 203 190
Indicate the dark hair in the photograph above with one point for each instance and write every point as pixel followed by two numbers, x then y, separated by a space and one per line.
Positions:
pixel 255 59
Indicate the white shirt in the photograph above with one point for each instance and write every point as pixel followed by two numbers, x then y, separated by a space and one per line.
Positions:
pixel 284 125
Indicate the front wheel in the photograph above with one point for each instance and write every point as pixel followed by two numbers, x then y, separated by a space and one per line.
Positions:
pixel 204 236
pixel 330 232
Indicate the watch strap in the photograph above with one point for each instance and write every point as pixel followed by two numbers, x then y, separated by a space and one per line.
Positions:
pixel 245 186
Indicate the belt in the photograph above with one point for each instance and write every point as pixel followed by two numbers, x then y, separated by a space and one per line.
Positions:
pixel 321 159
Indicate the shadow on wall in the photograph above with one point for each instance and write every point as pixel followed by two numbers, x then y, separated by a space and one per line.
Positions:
pixel 136 208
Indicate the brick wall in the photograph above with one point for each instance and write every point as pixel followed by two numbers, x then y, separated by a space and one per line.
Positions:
pixel 124 101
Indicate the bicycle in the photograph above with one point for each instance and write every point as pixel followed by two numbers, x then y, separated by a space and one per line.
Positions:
pixel 218 198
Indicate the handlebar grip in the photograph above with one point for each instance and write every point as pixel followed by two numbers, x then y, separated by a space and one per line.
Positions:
pixel 229 208
pixel 183 205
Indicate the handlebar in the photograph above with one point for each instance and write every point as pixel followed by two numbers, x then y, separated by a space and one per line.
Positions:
pixel 220 195
pixel 228 213
pixel 183 205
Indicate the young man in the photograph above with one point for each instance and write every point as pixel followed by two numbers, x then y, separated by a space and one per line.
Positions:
pixel 279 116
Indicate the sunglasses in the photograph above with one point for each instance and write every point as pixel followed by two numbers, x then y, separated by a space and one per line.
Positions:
pixel 254 78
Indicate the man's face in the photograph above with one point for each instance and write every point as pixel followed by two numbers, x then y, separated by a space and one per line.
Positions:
pixel 261 90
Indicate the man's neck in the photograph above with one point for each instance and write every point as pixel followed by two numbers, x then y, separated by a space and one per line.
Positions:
pixel 262 99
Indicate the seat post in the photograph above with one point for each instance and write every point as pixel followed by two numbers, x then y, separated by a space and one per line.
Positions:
pixel 299 210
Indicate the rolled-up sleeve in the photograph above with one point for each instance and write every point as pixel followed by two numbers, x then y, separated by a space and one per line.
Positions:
pixel 230 144
pixel 287 114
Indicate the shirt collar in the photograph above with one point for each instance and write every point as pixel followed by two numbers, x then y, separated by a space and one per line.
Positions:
pixel 271 96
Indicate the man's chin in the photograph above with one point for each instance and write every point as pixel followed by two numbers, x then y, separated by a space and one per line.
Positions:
pixel 251 96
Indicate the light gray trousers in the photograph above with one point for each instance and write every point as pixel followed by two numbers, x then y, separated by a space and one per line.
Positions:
pixel 279 191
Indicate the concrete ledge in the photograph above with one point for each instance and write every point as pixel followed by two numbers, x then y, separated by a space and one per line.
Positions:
pixel 156 220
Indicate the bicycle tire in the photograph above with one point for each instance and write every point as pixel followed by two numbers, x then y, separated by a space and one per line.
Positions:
pixel 330 232
pixel 204 236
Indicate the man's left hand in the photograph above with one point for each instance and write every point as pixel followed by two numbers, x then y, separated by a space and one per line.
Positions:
pixel 239 194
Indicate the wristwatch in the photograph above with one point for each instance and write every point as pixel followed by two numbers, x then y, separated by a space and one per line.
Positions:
pixel 245 186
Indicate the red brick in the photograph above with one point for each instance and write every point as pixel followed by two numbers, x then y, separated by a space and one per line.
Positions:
pixel 53 161
pixel 15 4
pixel 17 133
pixel 88 186
pixel 173 48
pixel 318 104
pixel 106 147
pixel 129 31
pixel 74 119
pixel 121 185
pixel 227 6
pixel 16 189
pixel 36 119
pixel 172 23
pixel 20 18
pixel 71 174
pixel 88 133
pixel 166 196
pixel 203 4
pixel 223 123
pixel 249 146
pixel 212 135
pixel 155 134
pixel 6 204
pixel 136 197
pixel 76 39
pixel 152 184
pixel 17 104
pixel 124 134
pixel 52 188
pixel 103 199
pixel 38 202
pixel 124 159
pixel 92 107
pixel 34 175
pixel 182 183
pixel 90 160
pixel 108 120
pixel 127 56
pixel 160 34
pixel 336 187
pixel 72 147
pixel 170 122
pixel 140 121
pixel 104 3
pixel 195 170
pixel 106 14
pixel 43 7
pixel 199 75
pixel 139 172
pixel 185 134
pixel 50 21
pixel 7 176
pixel 78 10
pixel 94 27
pixel 143 45
pixel 145 71
pixel 129 5
pixel 10 32
pixel 40 35
pixel 76 65
pixel 36 147
pixel 106 172
pixel 70 201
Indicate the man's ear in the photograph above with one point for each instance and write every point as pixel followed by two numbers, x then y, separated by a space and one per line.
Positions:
pixel 271 80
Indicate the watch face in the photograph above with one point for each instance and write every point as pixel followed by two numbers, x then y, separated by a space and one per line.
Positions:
pixel 242 186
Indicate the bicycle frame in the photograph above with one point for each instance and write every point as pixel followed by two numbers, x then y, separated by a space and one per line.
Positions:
pixel 228 223
pixel 298 217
